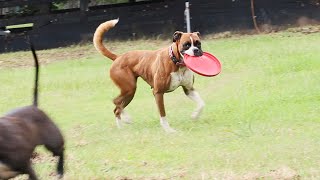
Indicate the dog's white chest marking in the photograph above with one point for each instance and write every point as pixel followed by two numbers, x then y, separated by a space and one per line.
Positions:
pixel 183 77
pixel 6 172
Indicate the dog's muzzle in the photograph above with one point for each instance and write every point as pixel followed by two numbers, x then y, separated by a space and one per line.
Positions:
pixel 197 52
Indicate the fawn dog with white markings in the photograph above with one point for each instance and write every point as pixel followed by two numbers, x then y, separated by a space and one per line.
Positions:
pixel 162 69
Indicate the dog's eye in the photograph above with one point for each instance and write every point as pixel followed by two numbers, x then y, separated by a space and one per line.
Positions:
pixel 197 43
pixel 187 45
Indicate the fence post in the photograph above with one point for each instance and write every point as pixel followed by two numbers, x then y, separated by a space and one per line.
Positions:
pixel 187 16
pixel 84 5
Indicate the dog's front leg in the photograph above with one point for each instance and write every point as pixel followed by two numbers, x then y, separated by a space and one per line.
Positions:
pixel 163 120
pixel 194 96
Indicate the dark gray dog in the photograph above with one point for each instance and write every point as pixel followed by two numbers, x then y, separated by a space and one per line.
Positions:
pixel 21 130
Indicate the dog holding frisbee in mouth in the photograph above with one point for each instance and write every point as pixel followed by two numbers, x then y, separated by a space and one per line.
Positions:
pixel 164 70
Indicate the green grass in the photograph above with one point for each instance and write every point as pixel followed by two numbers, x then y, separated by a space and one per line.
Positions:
pixel 262 113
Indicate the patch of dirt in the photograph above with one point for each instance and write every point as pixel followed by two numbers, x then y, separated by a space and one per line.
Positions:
pixel 81 143
pixel 281 173
pixel 37 158
pixel 306 29
pixel 77 134
pixel 25 58
pixel 174 174
pixel 123 178
pixel 77 131
pixel 74 52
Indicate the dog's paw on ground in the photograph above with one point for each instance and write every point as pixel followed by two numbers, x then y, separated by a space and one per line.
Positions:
pixel 195 115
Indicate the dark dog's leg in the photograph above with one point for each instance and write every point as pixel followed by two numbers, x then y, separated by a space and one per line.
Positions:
pixel 55 144
pixel 194 96
pixel 58 151
pixel 163 121
pixel 29 170
pixel 60 168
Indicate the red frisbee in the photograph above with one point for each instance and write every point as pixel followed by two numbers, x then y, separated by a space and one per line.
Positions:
pixel 205 65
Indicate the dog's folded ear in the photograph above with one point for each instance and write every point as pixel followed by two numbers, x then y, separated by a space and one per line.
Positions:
pixel 197 33
pixel 177 35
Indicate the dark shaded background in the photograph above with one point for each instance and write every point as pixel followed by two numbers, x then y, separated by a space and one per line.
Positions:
pixel 157 18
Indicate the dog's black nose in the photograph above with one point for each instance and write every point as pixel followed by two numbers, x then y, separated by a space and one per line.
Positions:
pixel 197 52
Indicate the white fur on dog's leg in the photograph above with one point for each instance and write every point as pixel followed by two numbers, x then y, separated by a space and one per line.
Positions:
pixel 165 125
pixel 118 121
pixel 126 117
pixel 194 95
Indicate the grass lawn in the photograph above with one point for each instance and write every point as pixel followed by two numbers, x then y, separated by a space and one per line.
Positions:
pixel 261 120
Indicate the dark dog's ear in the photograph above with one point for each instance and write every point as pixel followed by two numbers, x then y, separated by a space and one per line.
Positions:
pixel 177 35
pixel 197 33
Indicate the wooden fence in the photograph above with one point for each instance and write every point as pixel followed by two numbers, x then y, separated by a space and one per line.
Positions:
pixel 158 18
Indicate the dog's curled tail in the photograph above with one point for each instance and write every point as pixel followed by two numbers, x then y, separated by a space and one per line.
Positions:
pixel 98 38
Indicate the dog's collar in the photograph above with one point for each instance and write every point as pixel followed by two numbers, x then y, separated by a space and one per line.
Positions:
pixel 175 60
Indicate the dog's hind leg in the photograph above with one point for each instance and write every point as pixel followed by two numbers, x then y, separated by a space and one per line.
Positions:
pixel 59 152
pixel 121 102
pixel 194 96
pixel 55 144
pixel 126 117
pixel 128 88
pixel 60 166
pixel 29 170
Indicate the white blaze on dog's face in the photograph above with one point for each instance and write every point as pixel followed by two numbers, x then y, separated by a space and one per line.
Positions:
pixel 189 43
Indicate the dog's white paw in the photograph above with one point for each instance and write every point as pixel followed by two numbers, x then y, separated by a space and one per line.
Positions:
pixel 195 115
pixel 194 95
pixel 127 120
pixel 126 117
pixel 165 125
pixel 119 123
pixel 170 130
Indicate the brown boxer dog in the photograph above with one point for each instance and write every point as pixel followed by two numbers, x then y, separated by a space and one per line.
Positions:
pixel 162 69
pixel 21 130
